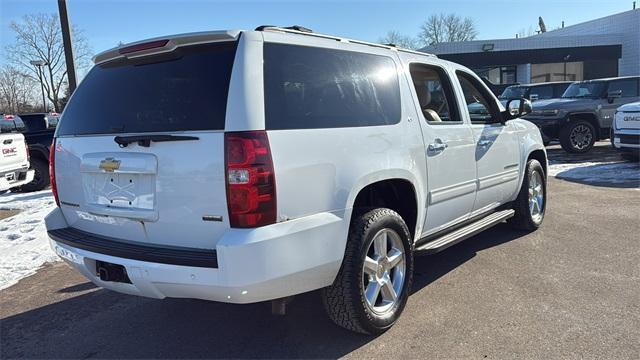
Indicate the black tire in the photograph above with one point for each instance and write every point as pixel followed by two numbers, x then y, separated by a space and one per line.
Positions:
pixel 40 177
pixel 575 145
pixel 523 219
pixel 345 300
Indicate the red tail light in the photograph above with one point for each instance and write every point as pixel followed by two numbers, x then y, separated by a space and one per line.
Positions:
pixel 52 171
pixel 251 185
pixel 143 46
pixel 9 117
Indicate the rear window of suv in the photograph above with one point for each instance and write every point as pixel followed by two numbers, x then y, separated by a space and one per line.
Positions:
pixel 183 90
pixel 309 87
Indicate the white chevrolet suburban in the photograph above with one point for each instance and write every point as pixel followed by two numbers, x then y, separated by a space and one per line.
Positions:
pixel 245 166
pixel 14 159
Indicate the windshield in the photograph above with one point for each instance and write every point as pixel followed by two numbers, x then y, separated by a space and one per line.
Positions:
pixel 584 90
pixel 513 92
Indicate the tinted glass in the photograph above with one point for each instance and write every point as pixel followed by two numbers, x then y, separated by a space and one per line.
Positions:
pixel 184 90
pixel 541 92
pixel 435 96
pixel 513 92
pixel 585 90
pixel 478 101
pixel 629 87
pixel 307 87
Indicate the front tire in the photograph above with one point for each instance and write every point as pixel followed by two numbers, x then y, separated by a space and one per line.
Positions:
pixel 373 284
pixel 531 204
pixel 578 137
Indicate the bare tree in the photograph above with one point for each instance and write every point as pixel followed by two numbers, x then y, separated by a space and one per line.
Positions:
pixel 394 37
pixel 16 91
pixel 38 37
pixel 447 28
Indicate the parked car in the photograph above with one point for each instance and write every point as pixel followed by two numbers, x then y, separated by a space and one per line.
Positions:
pixel 625 134
pixel 316 163
pixel 584 113
pixel 38 130
pixel 14 157
pixel 536 91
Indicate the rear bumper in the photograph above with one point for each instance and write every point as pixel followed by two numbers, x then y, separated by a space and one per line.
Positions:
pixel 253 265
pixel 22 177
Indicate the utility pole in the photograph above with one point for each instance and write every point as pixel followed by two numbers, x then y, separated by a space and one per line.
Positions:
pixel 68 48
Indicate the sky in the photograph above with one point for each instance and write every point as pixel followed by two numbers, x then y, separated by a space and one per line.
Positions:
pixel 105 23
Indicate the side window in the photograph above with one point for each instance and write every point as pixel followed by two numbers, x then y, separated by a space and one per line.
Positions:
pixel 435 94
pixel 542 92
pixel 480 105
pixel 629 87
pixel 310 88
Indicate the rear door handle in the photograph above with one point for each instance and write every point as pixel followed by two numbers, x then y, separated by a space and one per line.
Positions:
pixel 437 146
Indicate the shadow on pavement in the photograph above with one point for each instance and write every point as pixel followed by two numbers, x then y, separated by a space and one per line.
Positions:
pixel 105 324
pixel 601 166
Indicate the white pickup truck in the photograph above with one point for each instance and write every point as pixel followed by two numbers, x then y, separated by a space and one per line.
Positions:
pixel 245 166
pixel 14 158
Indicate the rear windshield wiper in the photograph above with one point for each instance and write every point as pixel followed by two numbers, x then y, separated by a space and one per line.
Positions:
pixel 145 140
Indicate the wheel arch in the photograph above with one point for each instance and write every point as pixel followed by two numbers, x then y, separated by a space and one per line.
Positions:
pixel 392 191
pixel 590 117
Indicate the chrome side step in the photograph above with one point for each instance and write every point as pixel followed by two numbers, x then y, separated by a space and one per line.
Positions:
pixel 465 232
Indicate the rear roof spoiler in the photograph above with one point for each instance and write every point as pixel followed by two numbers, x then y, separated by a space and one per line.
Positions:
pixel 164 44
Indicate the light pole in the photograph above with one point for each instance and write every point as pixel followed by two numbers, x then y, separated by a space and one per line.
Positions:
pixel 39 64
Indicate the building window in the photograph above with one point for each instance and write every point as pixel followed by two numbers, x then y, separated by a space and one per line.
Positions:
pixel 569 71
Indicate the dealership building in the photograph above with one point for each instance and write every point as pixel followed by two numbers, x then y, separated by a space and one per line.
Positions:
pixel 605 47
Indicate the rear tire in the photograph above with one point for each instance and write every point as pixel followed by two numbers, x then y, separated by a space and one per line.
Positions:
pixel 361 297
pixel 40 176
pixel 531 204
pixel 577 137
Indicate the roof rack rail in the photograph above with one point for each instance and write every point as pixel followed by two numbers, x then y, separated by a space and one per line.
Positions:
pixel 301 30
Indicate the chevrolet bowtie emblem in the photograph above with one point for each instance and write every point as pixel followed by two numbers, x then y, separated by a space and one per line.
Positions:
pixel 109 164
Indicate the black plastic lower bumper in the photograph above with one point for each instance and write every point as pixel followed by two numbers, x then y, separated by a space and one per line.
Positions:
pixel 549 128
pixel 173 255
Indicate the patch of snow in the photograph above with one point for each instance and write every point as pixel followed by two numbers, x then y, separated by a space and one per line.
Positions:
pixel 24 245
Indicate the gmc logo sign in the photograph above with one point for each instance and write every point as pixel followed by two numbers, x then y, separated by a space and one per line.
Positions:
pixel 9 151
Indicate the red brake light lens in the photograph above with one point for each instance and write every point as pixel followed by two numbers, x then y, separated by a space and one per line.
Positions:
pixel 9 117
pixel 52 171
pixel 143 46
pixel 250 179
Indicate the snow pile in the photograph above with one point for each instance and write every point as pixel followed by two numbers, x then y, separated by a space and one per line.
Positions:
pixel 24 245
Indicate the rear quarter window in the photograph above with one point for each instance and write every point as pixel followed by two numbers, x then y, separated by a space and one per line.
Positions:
pixel 184 90
pixel 308 87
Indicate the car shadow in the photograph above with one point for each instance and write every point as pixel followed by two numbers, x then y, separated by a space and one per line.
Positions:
pixel 105 324
pixel 601 166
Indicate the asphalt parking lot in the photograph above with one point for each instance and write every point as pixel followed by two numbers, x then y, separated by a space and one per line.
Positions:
pixel 569 290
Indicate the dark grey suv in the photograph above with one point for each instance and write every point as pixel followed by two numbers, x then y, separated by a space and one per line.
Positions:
pixel 585 111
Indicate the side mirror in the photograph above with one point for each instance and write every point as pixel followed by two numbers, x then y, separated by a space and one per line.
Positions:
pixel 517 108
pixel 611 95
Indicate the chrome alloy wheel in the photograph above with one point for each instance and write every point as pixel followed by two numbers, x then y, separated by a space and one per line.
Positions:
pixel 536 197
pixel 383 271
pixel 581 137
